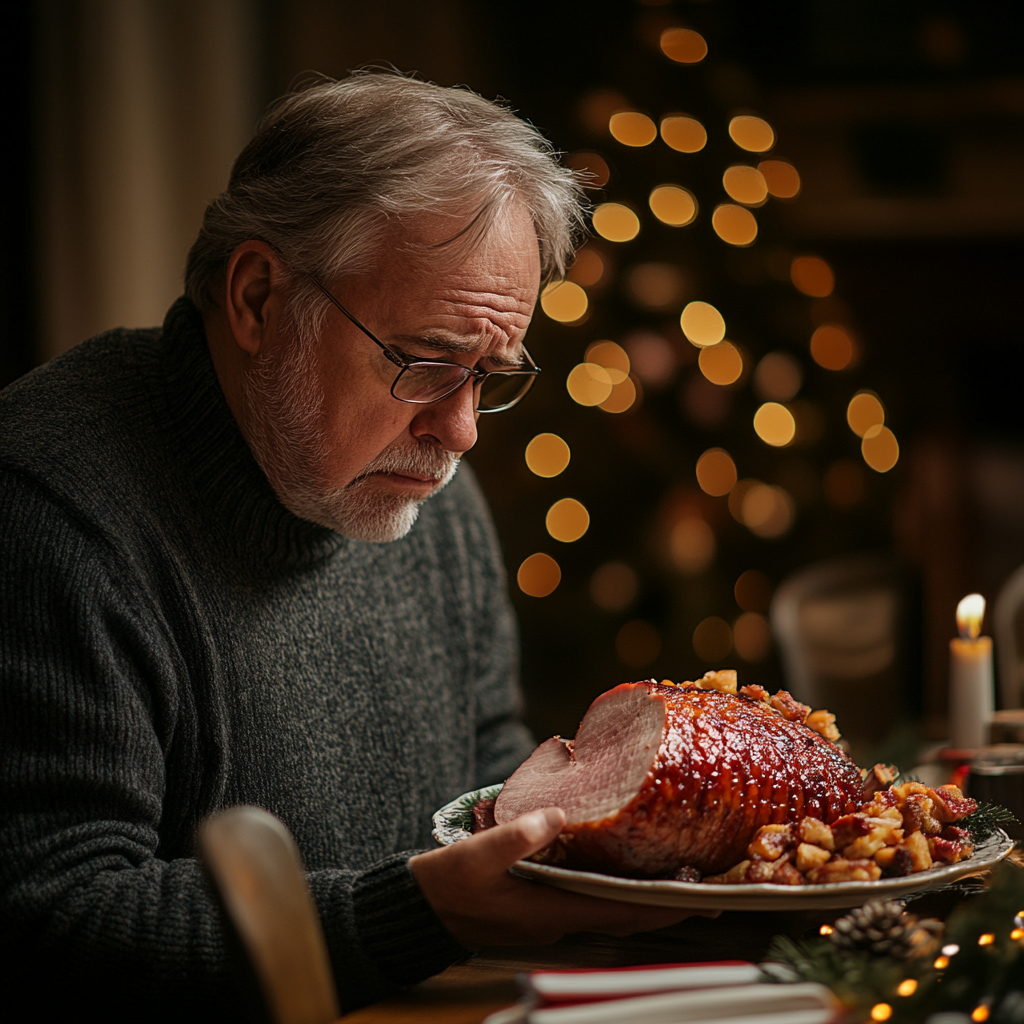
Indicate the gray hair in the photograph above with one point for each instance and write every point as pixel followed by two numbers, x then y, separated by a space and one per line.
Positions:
pixel 331 167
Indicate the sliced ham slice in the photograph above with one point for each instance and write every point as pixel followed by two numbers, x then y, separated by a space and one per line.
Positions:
pixel 661 778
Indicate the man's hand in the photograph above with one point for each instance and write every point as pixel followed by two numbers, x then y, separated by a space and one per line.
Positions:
pixel 481 904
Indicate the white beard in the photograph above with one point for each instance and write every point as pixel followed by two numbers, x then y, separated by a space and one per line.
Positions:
pixel 283 401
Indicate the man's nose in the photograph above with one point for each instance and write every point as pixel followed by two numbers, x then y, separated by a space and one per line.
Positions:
pixel 450 423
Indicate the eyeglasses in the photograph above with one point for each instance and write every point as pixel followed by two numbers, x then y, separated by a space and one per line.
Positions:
pixel 431 380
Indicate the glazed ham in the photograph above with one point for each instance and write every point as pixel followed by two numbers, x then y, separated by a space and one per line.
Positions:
pixel 664 780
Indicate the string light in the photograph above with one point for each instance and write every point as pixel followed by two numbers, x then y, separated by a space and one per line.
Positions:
pixel 752 637
pixel 547 455
pixel 980 1013
pixel 907 987
pixel 781 178
pixel 951 949
pixel 564 301
pixel 721 364
pixel 881 1011
pixel 753 134
pixel 673 205
pixel 775 424
pixel 616 222
pixel 632 128
pixel 612 357
pixel 812 276
pixel 880 449
pixel 692 545
pixel 567 520
pixel 745 184
pixel 826 929
pixel 941 963
pixel 864 411
pixel 539 575
pixel 734 224
pixel 987 939
pixel 589 384
pixel 683 45
pixel 683 134
pixel 702 324
pixel 716 472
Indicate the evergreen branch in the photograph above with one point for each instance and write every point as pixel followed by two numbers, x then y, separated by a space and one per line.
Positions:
pixel 986 819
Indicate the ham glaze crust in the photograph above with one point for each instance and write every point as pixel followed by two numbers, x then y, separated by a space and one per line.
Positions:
pixel 662 779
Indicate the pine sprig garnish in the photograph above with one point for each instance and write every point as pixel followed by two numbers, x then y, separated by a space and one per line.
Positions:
pixel 986 819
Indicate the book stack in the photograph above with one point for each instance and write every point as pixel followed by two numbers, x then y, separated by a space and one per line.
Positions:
pixel 733 992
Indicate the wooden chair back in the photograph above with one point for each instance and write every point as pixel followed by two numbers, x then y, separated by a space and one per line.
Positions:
pixel 257 870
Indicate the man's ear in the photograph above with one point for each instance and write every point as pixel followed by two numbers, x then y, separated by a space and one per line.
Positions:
pixel 253 294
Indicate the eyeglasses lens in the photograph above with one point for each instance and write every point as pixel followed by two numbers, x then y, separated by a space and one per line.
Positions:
pixel 499 391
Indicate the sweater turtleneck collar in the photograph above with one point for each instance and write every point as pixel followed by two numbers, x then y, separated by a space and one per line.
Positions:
pixel 230 482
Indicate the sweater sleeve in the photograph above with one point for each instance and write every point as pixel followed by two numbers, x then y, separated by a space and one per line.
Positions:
pixel 97 907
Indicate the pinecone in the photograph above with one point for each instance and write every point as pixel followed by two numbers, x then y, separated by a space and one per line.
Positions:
pixel 883 929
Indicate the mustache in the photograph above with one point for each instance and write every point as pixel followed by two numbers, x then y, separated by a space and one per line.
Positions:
pixel 423 460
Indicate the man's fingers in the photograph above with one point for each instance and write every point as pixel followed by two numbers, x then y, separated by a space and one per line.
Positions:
pixel 500 847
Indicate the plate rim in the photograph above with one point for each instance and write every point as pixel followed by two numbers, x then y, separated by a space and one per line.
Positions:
pixel 448 830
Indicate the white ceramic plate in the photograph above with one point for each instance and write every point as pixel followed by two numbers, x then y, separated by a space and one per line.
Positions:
pixel 454 822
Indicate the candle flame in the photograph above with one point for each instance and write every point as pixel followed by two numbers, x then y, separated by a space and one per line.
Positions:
pixel 969 613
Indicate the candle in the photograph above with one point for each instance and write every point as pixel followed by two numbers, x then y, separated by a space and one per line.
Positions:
pixel 970 677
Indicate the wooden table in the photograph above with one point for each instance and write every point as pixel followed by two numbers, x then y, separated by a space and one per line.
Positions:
pixel 467 993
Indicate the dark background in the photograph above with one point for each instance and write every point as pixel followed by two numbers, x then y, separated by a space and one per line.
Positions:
pixel 907 125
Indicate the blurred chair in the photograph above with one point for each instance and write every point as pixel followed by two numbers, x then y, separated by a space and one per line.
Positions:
pixel 1008 627
pixel 848 633
pixel 257 871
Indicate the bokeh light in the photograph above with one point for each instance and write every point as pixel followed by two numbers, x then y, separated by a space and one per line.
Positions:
pixel 587 269
pixel 597 106
pixel 781 178
pixel 653 359
pixel 594 167
pixel 616 222
pixel 716 472
pixel 702 324
pixel 612 357
pixel 774 424
pixel 692 545
pixel 564 301
pixel 632 128
pixel 656 285
pixel 638 643
pixel 768 511
pixel 683 134
pixel 864 412
pixel 547 455
pixel 812 276
pixel 589 384
pixel 712 639
pixel 832 348
pixel 614 586
pixel 734 224
pixel 673 205
pixel 753 134
pixel 880 448
pixel 538 575
pixel 567 520
pixel 745 185
pixel 722 363
pixel 753 591
pixel 683 45
pixel 625 395
pixel 752 637
pixel 843 484
pixel 778 377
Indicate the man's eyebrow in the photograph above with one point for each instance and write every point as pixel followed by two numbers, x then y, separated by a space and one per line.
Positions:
pixel 445 344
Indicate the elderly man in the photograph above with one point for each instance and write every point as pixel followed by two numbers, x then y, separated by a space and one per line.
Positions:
pixel 221 584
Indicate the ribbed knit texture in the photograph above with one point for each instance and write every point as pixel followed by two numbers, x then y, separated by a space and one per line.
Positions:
pixel 173 641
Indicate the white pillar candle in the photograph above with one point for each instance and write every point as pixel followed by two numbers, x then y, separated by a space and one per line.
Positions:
pixel 970 678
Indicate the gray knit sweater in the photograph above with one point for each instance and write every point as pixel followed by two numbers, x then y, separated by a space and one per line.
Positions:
pixel 173 641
